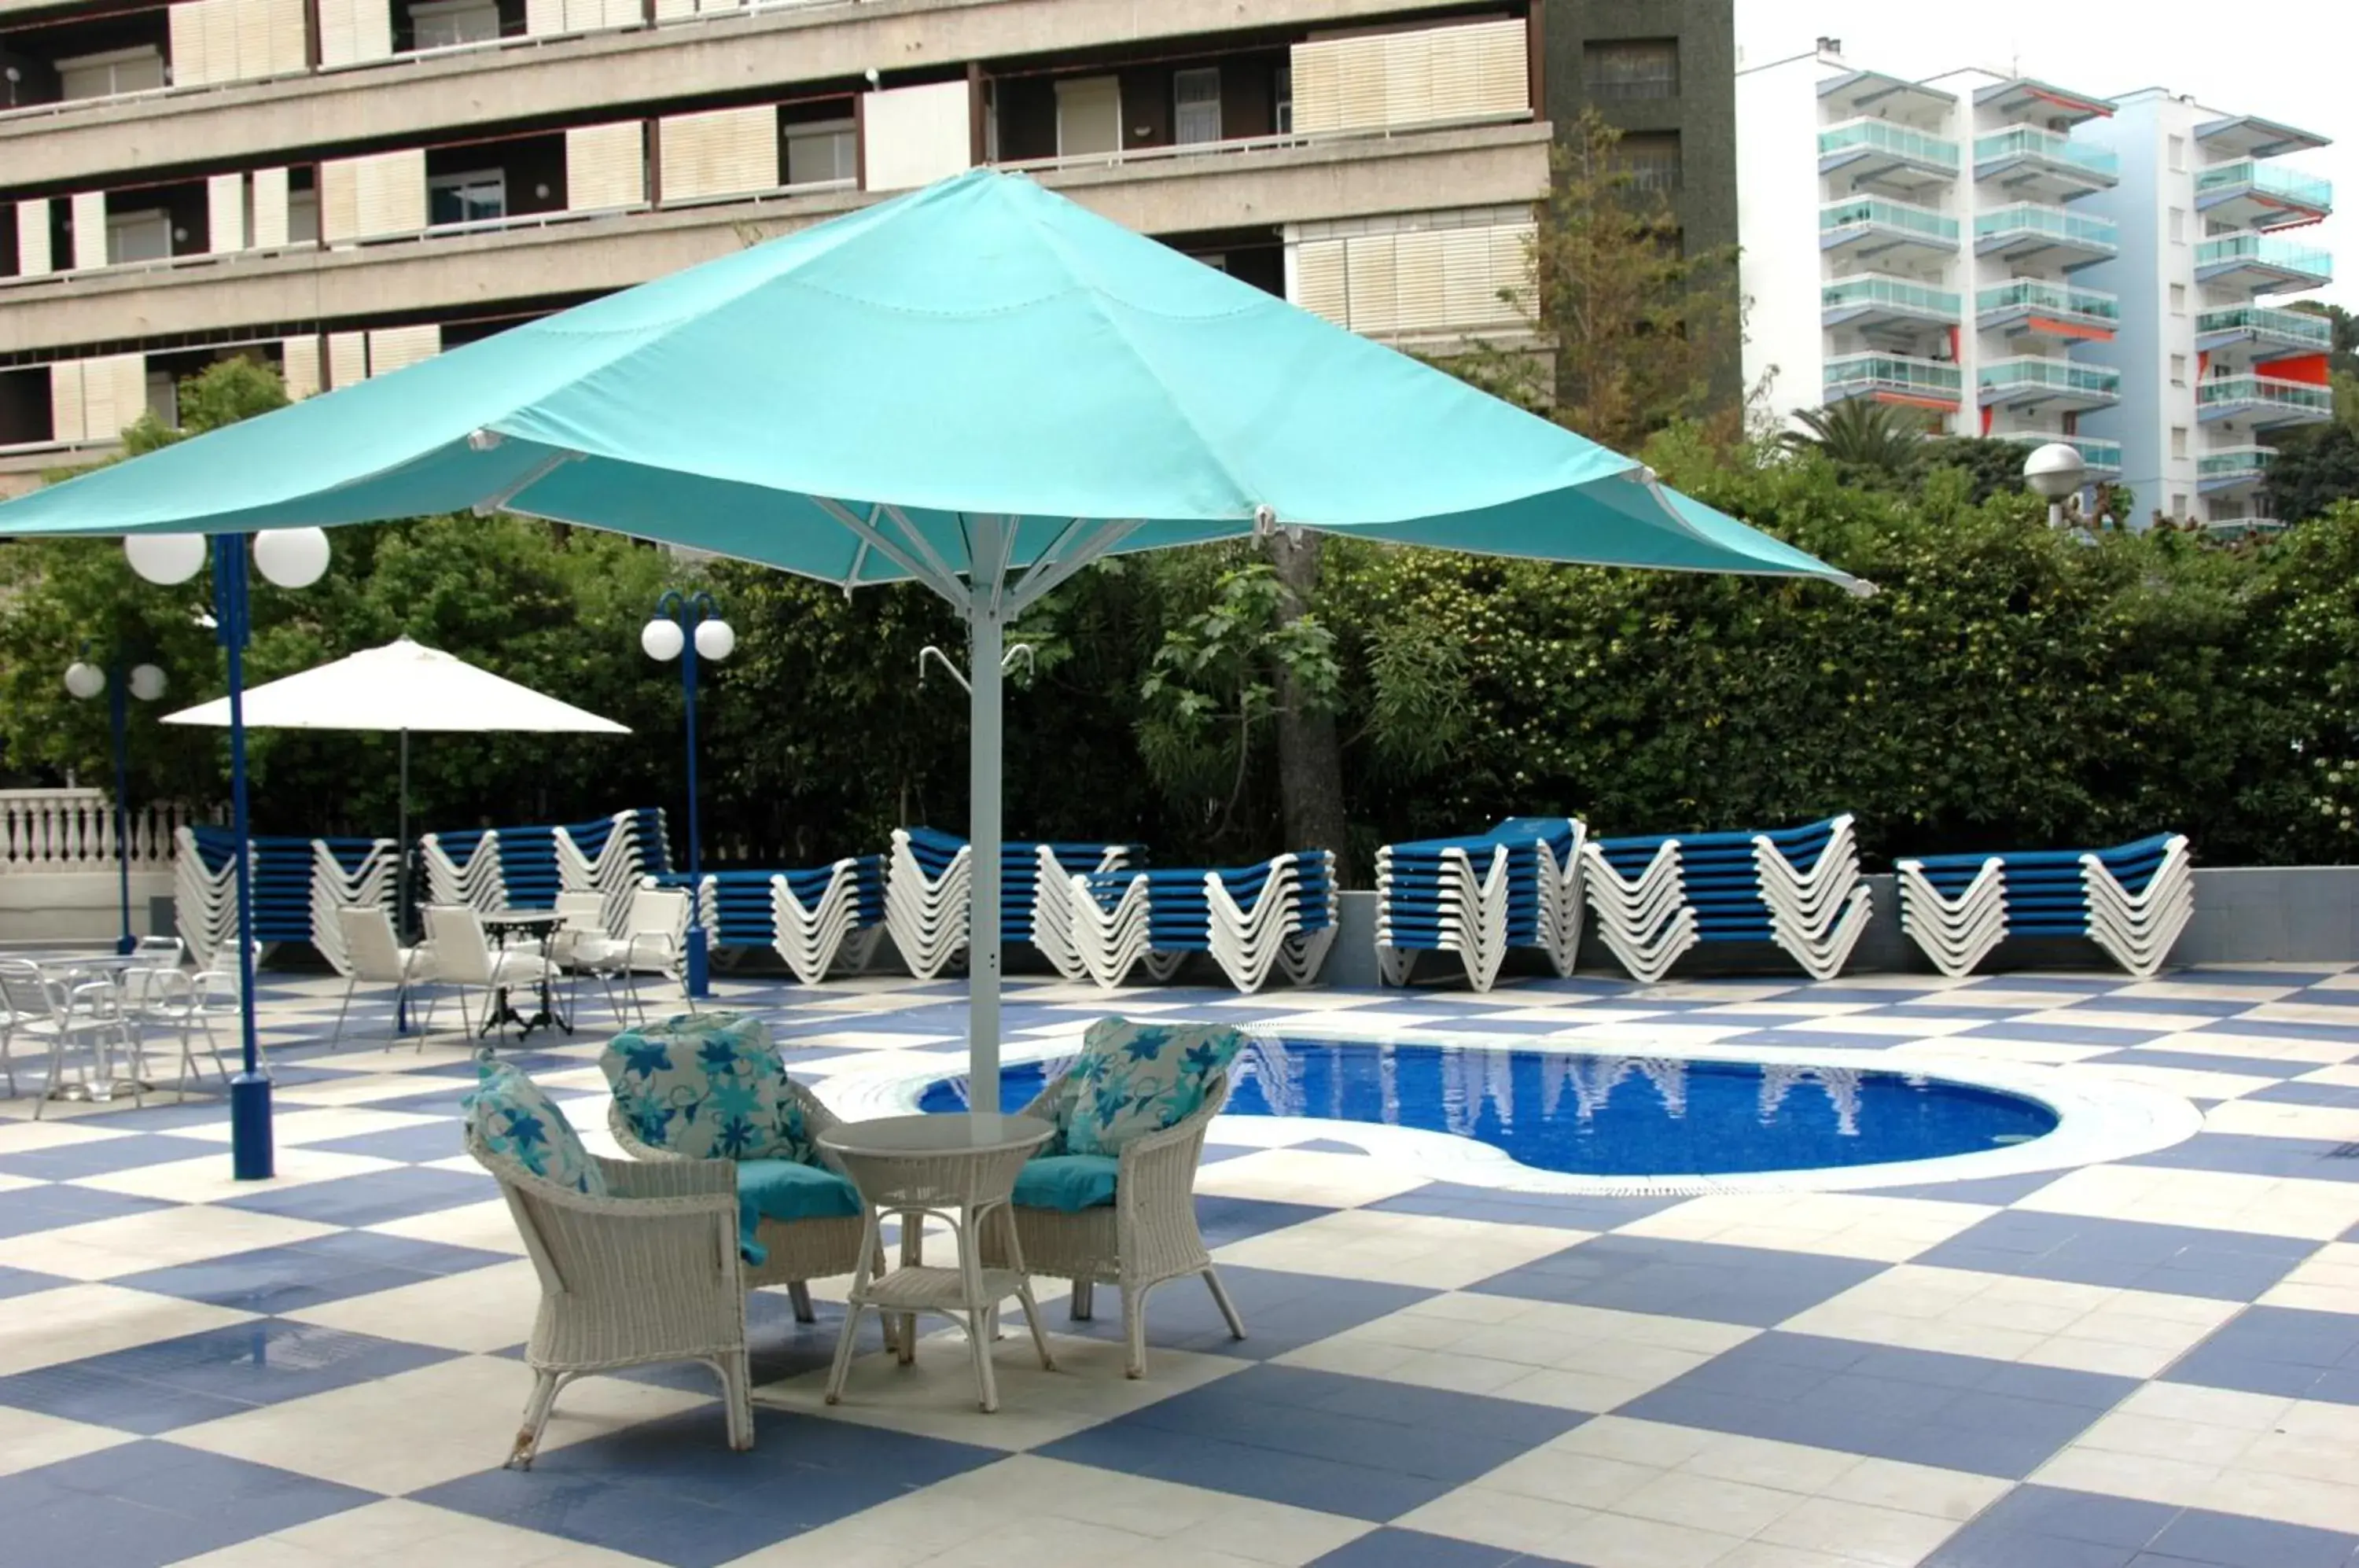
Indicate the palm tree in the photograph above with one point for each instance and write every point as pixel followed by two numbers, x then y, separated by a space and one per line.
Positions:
pixel 1860 435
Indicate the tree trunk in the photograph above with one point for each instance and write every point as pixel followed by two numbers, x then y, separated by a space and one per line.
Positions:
pixel 1309 752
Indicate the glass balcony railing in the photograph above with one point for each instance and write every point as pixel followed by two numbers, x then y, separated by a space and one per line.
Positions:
pixel 1892 373
pixel 2265 250
pixel 1895 141
pixel 1893 294
pixel 1898 217
pixel 2234 462
pixel 2101 456
pixel 2055 375
pixel 2038 295
pixel 2298 329
pixel 2030 141
pixel 2266 180
pixel 2029 218
pixel 2303 397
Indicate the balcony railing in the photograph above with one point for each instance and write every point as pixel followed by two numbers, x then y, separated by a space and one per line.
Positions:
pixel 2269 391
pixel 2032 374
pixel 1895 141
pixel 2266 180
pixel 2234 462
pixel 2266 251
pixel 2101 456
pixel 2030 141
pixel 2058 299
pixel 2031 218
pixel 1893 373
pixel 1895 217
pixel 73 830
pixel 1896 294
pixel 2295 329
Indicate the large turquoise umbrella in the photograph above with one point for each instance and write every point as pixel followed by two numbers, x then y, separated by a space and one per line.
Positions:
pixel 980 385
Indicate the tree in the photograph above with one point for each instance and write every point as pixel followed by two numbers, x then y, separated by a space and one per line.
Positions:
pixel 1867 442
pixel 1996 467
pixel 2312 471
pixel 222 393
pixel 2343 349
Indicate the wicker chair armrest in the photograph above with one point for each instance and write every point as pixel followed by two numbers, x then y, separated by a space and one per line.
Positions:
pixel 637 1180
pixel 1045 1102
pixel 1162 1167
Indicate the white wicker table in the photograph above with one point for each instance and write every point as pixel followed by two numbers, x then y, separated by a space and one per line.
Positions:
pixel 961 1168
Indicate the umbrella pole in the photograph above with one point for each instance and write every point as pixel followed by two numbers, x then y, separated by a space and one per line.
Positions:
pixel 401 882
pixel 986 634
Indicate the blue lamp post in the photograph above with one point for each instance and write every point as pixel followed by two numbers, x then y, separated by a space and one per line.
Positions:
pixel 292 558
pixel 687 627
pixel 86 681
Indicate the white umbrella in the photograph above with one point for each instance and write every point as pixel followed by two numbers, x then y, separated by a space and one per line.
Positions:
pixel 402 686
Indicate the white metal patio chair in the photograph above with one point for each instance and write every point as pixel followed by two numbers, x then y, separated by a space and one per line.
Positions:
pixel 378 959
pixel 68 1016
pixel 463 956
pixel 654 939
pixel 577 947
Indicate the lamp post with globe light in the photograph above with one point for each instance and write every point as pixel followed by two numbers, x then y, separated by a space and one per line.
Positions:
pixel 291 557
pixel 145 681
pixel 687 627
pixel 2054 472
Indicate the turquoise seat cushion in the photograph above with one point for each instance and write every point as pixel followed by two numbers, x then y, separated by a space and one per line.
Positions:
pixel 525 1132
pixel 1067 1183
pixel 1136 1079
pixel 702 1086
pixel 787 1189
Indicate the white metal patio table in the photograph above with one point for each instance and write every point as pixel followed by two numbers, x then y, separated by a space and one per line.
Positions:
pixel 961 1168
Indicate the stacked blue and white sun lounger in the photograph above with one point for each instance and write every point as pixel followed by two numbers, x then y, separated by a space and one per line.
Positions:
pixel 1657 896
pixel 526 868
pixel 825 920
pixel 1277 916
pixel 2133 901
pixel 298 885
pixel 1516 886
pixel 927 882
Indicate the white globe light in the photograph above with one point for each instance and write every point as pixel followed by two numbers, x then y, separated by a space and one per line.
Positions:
pixel 166 558
pixel 292 557
pixel 148 683
pixel 714 640
pixel 662 639
pixel 86 681
pixel 2055 471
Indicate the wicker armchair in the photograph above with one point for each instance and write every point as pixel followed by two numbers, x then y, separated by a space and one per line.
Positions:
pixel 799 1250
pixel 1145 1237
pixel 648 1272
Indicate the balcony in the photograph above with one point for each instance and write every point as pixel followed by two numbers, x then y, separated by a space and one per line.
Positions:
pixel 1878 152
pixel 2263 327
pixel 1868 227
pixel 2029 229
pixel 2103 457
pixel 1894 378
pixel 1873 301
pixel 2268 402
pixel 2263 264
pixel 2035 307
pixel 2031 381
pixel 2041 166
pixel 2251 194
pixel 2232 468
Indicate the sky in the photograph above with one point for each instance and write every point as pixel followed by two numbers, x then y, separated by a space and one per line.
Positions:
pixel 2287 61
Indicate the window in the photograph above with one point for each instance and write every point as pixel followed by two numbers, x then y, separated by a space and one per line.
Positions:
pixel 1196 106
pixel 2179 155
pixel 477 198
pixel 822 154
pixel 2179 299
pixel 138 236
pixel 164 398
pixel 116 70
pixel 2179 370
pixel 1089 115
pixel 2178 506
pixel 2179 225
pixel 1283 91
pixel 2179 441
pixel 445 23
pixel 1651 158
pixel 1633 68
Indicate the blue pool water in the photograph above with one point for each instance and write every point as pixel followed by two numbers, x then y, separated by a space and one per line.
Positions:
pixel 1606 1116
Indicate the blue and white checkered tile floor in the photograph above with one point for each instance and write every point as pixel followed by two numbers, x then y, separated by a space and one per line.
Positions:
pixel 2151 1363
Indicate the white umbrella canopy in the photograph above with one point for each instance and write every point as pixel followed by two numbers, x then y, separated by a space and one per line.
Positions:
pixel 401 686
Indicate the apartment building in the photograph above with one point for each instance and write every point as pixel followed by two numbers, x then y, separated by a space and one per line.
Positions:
pixel 1929 244
pixel 2209 244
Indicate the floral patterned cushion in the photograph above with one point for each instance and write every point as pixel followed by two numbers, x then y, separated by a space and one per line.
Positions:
pixel 1136 1079
pixel 523 1128
pixel 702 1086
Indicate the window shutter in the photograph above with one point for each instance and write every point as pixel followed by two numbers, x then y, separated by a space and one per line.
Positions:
pixel 1419 282
pixel 225 213
pixel 390 348
pixel 543 17
pixel 221 29
pixel 1089 115
pixel 606 167
pixel 114 394
pixel 191 67
pixel 291 38
pixel 33 257
pixel 390 194
pixel 269 209
pixel 1317 87
pixel 340 211
pixel 338 43
pixel 1318 279
pixel 66 420
pixel 1427 76
pixel 721 153
pixel 354 31
pixel 253 19
pixel 623 13
pixel 1369 273
pixel 347 358
pixel 673 10
pixel 89 228
pixel 1503 67
pixel 298 360
pixel 1361 85
pixel 1511 267
pixel 917 134
pixel 1470 296
pixel 1408 76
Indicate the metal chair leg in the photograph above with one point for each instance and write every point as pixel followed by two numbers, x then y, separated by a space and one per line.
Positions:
pixel 351 983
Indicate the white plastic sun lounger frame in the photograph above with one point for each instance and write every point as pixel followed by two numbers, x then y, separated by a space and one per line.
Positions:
pixel 1473 920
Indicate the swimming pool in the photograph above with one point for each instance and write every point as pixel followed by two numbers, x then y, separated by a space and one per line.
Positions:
pixel 1592 1115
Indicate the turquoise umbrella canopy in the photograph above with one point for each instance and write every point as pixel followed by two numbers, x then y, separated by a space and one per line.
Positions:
pixel 980 385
